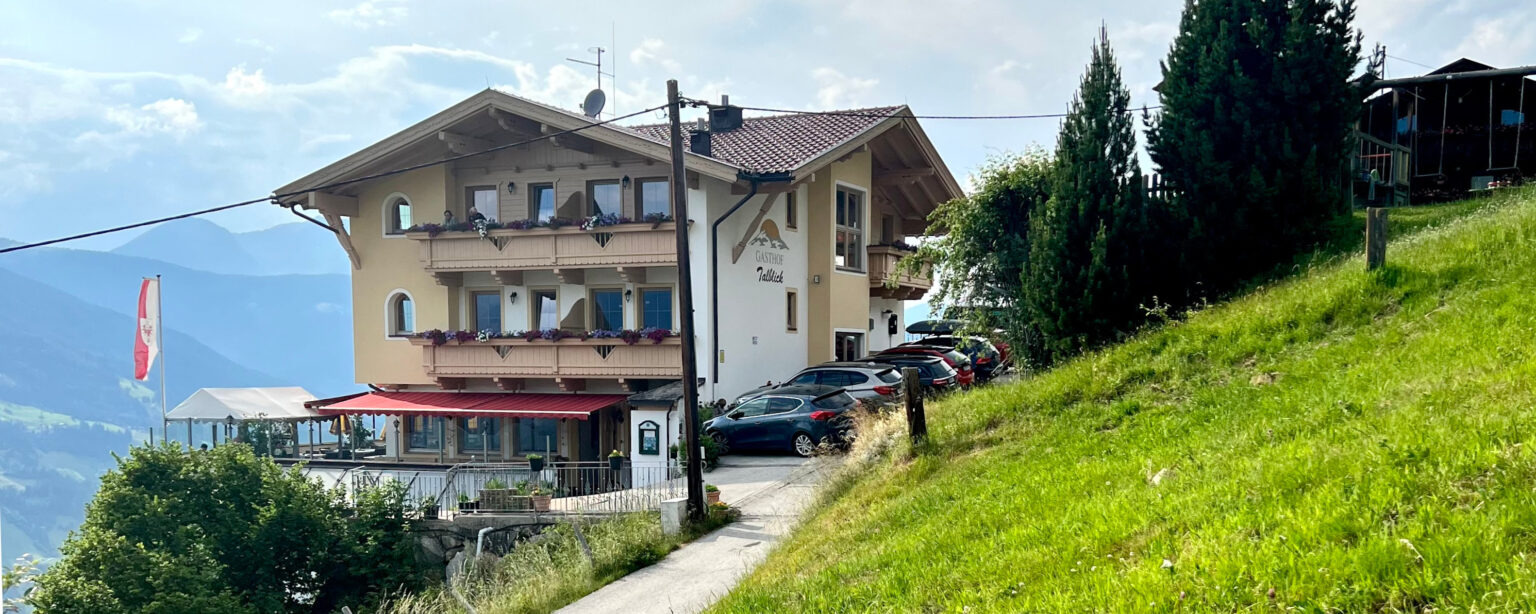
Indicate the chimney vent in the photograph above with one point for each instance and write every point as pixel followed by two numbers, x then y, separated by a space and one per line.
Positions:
pixel 725 117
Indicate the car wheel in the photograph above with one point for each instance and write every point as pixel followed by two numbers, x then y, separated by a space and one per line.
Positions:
pixel 804 445
pixel 721 442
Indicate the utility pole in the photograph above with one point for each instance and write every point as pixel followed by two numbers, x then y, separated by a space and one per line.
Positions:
pixel 685 305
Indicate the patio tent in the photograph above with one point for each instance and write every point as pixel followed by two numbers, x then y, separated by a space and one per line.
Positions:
pixel 238 405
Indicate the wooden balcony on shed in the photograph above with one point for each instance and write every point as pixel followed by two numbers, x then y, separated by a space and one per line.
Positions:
pixel 507 250
pixel 886 282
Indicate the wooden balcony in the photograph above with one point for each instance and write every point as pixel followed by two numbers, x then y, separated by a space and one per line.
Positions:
pixel 568 361
pixel 886 282
pixel 508 252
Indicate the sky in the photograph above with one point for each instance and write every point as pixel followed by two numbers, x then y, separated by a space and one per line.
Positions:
pixel 113 112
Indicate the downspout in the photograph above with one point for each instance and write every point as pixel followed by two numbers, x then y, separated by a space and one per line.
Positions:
pixel 754 180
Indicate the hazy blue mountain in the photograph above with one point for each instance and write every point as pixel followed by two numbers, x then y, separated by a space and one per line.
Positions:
pixel 295 327
pixel 298 248
pixel 68 401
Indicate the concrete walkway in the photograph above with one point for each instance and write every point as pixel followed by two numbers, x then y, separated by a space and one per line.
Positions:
pixel 771 493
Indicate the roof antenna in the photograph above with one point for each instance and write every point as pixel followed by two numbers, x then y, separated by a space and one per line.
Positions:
pixel 593 105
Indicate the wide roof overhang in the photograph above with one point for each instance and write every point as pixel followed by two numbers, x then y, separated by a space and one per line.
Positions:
pixel 481 404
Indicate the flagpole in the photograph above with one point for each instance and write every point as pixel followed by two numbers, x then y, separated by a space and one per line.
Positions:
pixel 165 424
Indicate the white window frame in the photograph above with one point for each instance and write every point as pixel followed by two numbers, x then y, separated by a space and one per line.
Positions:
pixel 863 229
pixel 389 202
pixel 389 314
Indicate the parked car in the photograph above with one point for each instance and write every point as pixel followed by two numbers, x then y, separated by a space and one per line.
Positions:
pixel 870 383
pixel 985 357
pixel 956 359
pixel 933 372
pixel 796 417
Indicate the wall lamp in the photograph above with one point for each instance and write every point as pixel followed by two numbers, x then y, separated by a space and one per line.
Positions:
pixel 511 187
pixel 512 297
pixel 625 182
pixel 629 295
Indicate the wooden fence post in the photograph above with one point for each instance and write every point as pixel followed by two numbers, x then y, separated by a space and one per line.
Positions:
pixel 917 422
pixel 1375 238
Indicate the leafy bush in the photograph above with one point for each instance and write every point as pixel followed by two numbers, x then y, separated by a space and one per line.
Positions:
pixel 226 531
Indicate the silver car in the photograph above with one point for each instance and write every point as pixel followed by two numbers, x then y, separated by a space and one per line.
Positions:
pixel 872 384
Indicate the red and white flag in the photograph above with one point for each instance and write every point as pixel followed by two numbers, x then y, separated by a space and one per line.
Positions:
pixel 147 343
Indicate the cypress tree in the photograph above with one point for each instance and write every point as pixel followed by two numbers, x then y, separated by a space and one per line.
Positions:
pixel 1257 112
pixel 1085 283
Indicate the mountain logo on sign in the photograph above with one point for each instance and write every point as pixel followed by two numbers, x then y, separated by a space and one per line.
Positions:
pixel 768 236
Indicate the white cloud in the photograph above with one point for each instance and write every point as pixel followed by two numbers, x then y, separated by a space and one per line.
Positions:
pixel 246 85
pixel 1500 41
pixel 368 14
pixel 172 116
pixel 835 90
pixel 650 51
pixel 1004 82
pixel 319 141
pixel 190 35
pixel 256 43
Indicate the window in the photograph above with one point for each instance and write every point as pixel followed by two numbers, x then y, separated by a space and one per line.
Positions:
pixel 397 216
pixel 541 201
pixel 779 405
pixel 804 378
pixel 479 435
pixel 1511 117
pixel 402 315
pixel 850 230
pixel 607 310
pixel 752 409
pixel 791 211
pixel 656 308
pixel 482 199
pixel 655 197
pixel 849 346
pixel 426 432
pixel 545 308
pixel 537 435
pixel 842 378
pixel 889 376
pixel 606 198
pixel 487 310
pixel 791 311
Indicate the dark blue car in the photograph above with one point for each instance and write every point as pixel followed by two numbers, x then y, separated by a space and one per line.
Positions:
pixel 795 417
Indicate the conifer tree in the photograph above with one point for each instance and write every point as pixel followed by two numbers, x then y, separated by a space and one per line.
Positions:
pixel 1257 112
pixel 1085 281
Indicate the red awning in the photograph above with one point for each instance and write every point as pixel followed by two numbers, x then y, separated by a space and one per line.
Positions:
pixel 520 405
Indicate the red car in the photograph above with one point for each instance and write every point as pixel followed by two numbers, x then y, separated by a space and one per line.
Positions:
pixel 956 359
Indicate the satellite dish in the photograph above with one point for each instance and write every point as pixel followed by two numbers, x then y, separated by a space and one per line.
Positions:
pixel 594 103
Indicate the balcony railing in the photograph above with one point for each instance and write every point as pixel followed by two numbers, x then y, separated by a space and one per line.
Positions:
pixel 886 282
pixel 502 249
pixel 572 358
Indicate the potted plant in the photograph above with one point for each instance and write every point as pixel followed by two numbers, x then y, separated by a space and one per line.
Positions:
pixel 496 496
pixel 616 460
pixel 427 507
pixel 465 505
pixel 535 463
pixel 711 494
pixel 540 497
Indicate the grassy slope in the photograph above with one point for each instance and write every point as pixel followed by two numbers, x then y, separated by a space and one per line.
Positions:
pixel 1341 441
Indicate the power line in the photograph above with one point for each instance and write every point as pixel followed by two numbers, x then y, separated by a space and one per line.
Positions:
pixel 277 197
pixel 698 103
pixel 1415 63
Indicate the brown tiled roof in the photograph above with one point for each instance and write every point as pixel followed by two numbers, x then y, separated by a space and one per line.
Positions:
pixel 779 143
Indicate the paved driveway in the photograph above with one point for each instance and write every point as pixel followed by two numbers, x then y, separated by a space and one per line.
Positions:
pixel 771 492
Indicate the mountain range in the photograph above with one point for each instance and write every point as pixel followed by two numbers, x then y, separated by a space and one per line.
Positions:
pixel 265 308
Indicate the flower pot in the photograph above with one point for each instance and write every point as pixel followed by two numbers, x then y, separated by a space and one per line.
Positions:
pixel 540 503
pixel 536 464
pixel 711 497
pixel 429 512
pixel 469 506
pixel 615 462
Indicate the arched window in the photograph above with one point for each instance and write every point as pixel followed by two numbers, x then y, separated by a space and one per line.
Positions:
pixel 397 214
pixel 402 315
